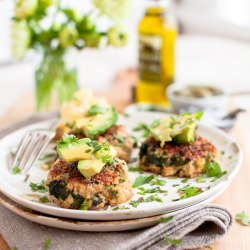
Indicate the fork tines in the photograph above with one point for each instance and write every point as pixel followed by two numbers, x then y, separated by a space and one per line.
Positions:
pixel 30 148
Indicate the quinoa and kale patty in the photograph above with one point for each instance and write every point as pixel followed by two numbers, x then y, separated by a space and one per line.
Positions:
pixel 68 188
pixel 117 136
pixel 183 160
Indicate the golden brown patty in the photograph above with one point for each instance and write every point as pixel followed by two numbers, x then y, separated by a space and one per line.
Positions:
pixel 117 136
pixel 184 160
pixel 68 188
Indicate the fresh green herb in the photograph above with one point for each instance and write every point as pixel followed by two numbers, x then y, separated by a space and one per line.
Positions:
pixel 176 199
pixel 144 128
pixel 187 192
pixel 44 199
pixel 200 179
pixel 175 185
pixel 47 243
pixel 156 123
pixel 185 181
pixel 134 203
pixel 222 152
pixel 96 109
pixel 142 179
pixel 120 208
pixel 152 198
pixel 38 187
pixel 167 219
pixel 159 182
pixel 242 218
pixel 230 157
pixel 144 191
pixel 213 169
pixel 172 241
pixel 135 169
pixel 106 158
pixel 83 207
pixel 14 248
pixel 16 170
pixel 67 139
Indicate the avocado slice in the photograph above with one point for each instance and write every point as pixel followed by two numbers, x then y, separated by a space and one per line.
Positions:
pixel 97 124
pixel 188 135
pixel 75 149
pixel 89 168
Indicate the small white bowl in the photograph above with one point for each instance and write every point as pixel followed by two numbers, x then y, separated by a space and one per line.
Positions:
pixel 180 104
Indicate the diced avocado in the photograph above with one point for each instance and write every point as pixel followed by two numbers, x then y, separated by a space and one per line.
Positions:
pixel 89 168
pixel 74 149
pixel 180 129
pixel 188 135
pixel 97 124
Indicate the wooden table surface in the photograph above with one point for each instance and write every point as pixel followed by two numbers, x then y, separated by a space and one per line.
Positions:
pixel 236 198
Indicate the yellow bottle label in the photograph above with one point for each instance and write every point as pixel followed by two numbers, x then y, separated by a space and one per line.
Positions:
pixel 150 50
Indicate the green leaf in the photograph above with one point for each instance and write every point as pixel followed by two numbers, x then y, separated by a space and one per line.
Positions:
pixel 172 241
pixel 16 170
pixel 47 243
pixel 144 191
pixel 187 192
pixel 96 109
pixel 134 203
pixel 142 179
pixel 134 169
pixel 158 182
pixel 152 198
pixel 83 207
pixel 242 218
pixel 167 219
pixel 38 187
pixel 44 199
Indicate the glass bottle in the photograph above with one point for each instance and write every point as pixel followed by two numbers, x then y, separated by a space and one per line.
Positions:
pixel 156 34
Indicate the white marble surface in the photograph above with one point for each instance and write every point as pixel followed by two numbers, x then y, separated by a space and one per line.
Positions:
pixel 198 59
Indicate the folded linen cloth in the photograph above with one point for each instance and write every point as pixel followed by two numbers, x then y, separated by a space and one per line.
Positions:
pixel 193 228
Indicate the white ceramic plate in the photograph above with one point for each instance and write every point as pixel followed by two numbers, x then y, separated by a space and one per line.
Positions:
pixel 93 226
pixel 14 187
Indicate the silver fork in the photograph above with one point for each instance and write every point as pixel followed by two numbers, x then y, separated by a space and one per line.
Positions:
pixel 30 148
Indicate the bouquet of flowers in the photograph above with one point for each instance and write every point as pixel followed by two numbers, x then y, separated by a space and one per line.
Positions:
pixel 52 28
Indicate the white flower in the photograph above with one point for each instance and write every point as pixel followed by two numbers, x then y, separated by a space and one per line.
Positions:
pixel 21 38
pixel 25 8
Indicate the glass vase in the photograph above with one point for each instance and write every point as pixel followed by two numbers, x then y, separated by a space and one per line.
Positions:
pixel 55 78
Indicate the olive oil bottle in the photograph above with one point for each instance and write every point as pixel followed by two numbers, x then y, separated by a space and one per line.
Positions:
pixel 156 37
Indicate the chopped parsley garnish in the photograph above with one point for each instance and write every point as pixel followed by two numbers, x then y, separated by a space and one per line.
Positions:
pixel 83 207
pixel 153 198
pixel 172 241
pixel 134 203
pixel 142 179
pixel 96 109
pixel 185 181
pixel 175 185
pixel 242 218
pixel 135 169
pixel 38 187
pixel 44 199
pixel 144 128
pixel 47 243
pixel 230 157
pixel 16 170
pixel 187 192
pixel 120 208
pixel 126 115
pixel 167 219
pixel 120 139
pixel 159 182
pixel 144 191
pixel 200 179
pixel 222 152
